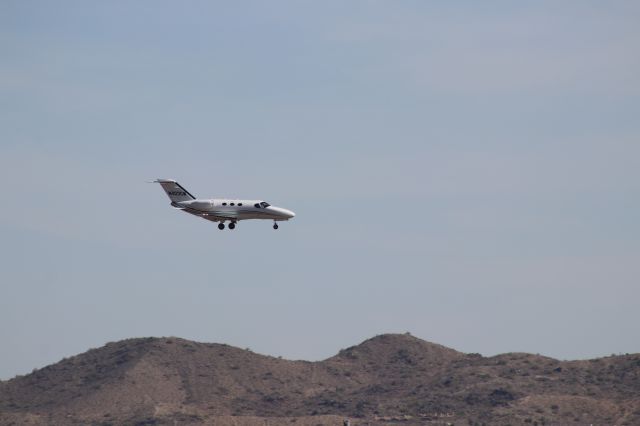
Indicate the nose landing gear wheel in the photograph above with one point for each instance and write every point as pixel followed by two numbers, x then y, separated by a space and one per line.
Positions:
pixel 275 226
pixel 221 226
pixel 232 225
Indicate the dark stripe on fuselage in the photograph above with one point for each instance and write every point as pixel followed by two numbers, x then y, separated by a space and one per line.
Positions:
pixel 223 214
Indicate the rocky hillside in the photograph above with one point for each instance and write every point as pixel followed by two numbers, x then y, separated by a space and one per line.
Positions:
pixel 384 380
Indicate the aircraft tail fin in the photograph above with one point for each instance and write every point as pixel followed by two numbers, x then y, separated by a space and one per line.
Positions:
pixel 174 190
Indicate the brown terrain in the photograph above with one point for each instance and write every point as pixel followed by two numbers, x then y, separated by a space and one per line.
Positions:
pixel 389 379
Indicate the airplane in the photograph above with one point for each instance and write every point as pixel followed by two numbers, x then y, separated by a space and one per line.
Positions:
pixel 222 210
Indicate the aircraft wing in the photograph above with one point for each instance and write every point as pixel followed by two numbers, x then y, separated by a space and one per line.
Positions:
pixel 214 216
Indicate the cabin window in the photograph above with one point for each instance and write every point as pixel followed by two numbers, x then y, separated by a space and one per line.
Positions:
pixel 240 204
pixel 224 204
pixel 232 204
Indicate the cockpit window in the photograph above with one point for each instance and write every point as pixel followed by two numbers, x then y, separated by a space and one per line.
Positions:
pixel 264 204
pixel 256 205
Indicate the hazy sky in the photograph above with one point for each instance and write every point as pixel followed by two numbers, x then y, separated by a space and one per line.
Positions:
pixel 465 171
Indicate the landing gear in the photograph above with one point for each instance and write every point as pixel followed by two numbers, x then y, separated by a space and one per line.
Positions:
pixel 232 225
pixel 221 226
pixel 275 225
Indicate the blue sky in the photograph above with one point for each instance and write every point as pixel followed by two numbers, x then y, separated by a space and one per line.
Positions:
pixel 467 172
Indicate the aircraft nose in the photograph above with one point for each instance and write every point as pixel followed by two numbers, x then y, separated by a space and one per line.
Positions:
pixel 282 213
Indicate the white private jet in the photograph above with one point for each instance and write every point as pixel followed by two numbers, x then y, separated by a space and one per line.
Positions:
pixel 222 210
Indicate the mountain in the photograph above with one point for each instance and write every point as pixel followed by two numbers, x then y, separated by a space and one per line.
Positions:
pixel 388 379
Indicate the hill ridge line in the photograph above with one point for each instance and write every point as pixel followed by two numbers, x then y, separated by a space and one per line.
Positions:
pixel 163 380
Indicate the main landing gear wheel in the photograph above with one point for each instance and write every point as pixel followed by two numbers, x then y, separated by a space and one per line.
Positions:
pixel 221 226
pixel 275 226
pixel 232 225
